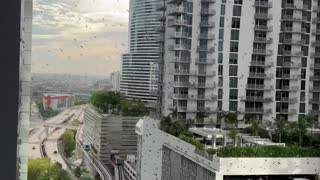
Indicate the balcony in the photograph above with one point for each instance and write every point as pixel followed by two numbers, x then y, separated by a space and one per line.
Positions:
pixel 208 1
pixel 289 53
pixel 207 11
pixel 207 86
pixel 263 52
pixel 256 99
pixel 293 42
pixel 287 111
pixel 180 72
pixel 314 66
pixel 314 89
pixel 178 22
pixel 207 49
pixel 204 24
pixel 184 84
pixel 263 16
pixel 263 4
pixel 316 31
pixel 288 88
pixel 315 43
pixel 205 61
pixel 259 87
pixel 178 47
pixel 289 76
pixel 316 8
pixel 315 78
pixel 263 28
pixel 263 40
pixel 180 35
pixel 262 63
pixel 314 100
pixel 206 110
pixel 260 75
pixel 160 7
pixel 316 20
pixel 179 96
pixel 296 7
pixel 178 108
pixel 210 36
pixel 160 28
pixel 295 30
pixel 256 111
pixel 294 19
pixel 203 73
pixel 288 100
pixel 203 97
pixel 315 55
pixel 181 60
pixel 290 65
pixel 178 10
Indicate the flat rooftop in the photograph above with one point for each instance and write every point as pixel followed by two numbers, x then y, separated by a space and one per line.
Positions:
pixel 208 132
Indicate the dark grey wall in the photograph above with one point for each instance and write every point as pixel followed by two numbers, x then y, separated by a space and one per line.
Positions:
pixel 9 78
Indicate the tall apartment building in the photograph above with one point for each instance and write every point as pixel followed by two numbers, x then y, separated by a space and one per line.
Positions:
pixel 258 58
pixel 115 81
pixel 139 67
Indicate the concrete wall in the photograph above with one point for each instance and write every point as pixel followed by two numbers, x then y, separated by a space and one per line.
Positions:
pixel 25 82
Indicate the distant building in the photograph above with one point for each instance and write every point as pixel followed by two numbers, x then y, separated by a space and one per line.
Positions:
pixel 163 156
pixel 110 135
pixel 140 68
pixel 115 81
pixel 57 101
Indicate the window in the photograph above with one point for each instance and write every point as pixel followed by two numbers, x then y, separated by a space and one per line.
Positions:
pixel 303 85
pixel 234 34
pixel 220 57
pixel 221 21
pixel 220 70
pixel 302 108
pixel 233 82
pixel 233 106
pixel 233 70
pixel 233 94
pixel 234 46
pixel 236 10
pixel 220 83
pixel 237 1
pixel 235 23
pixel 220 46
pixel 221 34
pixel 220 94
pixel 223 9
pixel 224 1
pixel 233 58
pixel 220 105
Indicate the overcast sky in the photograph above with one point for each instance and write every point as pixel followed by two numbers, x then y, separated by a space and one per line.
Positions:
pixel 84 37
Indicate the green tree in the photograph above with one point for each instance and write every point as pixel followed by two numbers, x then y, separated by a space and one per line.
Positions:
pixel 78 171
pixel 68 142
pixel 232 134
pixel 303 124
pixel 231 118
pixel 280 123
pixel 43 169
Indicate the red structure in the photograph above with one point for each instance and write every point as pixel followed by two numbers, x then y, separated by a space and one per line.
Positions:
pixel 56 101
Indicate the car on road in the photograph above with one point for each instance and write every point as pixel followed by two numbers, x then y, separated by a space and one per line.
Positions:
pixel 33 147
pixel 55 152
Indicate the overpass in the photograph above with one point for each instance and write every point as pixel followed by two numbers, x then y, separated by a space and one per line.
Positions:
pixel 55 125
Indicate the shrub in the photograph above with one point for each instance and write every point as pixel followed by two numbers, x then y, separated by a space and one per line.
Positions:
pixel 190 140
pixel 268 151
pixel 68 141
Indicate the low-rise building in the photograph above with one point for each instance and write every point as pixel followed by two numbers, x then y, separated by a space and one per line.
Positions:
pixel 163 156
pixel 57 101
pixel 109 135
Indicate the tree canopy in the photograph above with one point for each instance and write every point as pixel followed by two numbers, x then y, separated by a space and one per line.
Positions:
pixel 43 169
pixel 115 103
pixel 68 142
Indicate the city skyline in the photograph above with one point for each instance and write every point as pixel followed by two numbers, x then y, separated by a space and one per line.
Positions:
pixel 79 37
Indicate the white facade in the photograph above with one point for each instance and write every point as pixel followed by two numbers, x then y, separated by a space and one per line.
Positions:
pixel 154 162
pixel 257 58
pixel 115 81
pixel 25 82
pixel 139 72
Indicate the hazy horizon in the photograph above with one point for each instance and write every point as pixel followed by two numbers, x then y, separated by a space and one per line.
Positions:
pixel 76 37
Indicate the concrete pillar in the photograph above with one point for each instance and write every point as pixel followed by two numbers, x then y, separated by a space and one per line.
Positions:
pixel 219 176
pixel 224 141
pixel 214 141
